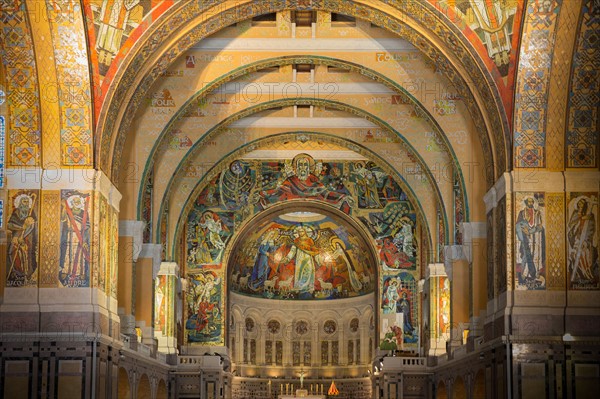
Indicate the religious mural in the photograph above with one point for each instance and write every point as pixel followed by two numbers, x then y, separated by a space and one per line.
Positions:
pixel 582 241
pixel 22 228
pixel 204 321
pixel 399 319
pixel 302 256
pixel 530 236
pixel 296 256
pixel 75 235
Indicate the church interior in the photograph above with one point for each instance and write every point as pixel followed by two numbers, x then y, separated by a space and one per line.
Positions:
pixel 299 198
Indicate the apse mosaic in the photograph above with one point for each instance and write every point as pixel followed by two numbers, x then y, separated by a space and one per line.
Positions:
pixel 302 255
pixel 530 237
pixel 299 256
pixel 582 241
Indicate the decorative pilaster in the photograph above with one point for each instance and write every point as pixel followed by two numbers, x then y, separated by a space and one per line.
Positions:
pixel 165 291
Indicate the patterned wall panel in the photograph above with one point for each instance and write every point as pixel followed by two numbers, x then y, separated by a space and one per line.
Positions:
pixel 501 244
pixel 584 98
pixel 555 249
pixel 74 89
pixel 18 61
pixel 533 83
pixel 582 241
pixel 558 93
pixel 49 238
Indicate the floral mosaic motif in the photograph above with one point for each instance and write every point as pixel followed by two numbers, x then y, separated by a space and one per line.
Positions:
pixel 530 236
pixel 301 327
pixel 582 241
pixel 274 326
pixel 204 322
pixel 329 327
pixel 584 97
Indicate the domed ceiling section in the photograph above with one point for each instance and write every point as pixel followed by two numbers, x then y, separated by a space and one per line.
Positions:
pixel 302 255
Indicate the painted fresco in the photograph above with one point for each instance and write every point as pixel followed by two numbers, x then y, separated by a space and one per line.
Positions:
pixel 582 241
pixel 530 236
pixel 399 318
pixel 22 228
pixel 394 232
pixel 293 258
pixel 208 234
pixel 204 321
pixel 75 235
pixel 303 178
pixel 114 20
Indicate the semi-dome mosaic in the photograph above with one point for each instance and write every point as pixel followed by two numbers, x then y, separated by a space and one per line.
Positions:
pixel 302 255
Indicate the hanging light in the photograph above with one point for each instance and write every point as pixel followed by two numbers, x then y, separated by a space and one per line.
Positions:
pixel 333 391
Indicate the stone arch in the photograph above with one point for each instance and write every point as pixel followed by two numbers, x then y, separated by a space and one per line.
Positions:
pixel 315 60
pixel 144 390
pixel 123 387
pixel 441 392
pixel 459 390
pixel 479 388
pixel 161 391
pixel 115 123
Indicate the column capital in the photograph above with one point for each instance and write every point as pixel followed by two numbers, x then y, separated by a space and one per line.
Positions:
pixel 436 270
pixel 134 229
pixel 169 269
pixel 154 252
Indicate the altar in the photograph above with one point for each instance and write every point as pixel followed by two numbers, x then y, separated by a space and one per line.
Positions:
pixel 301 393
pixel 305 397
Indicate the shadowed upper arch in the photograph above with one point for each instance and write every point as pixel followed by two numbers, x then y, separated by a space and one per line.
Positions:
pixel 158 48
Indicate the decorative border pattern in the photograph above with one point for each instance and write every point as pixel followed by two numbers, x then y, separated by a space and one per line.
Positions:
pixel 555 248
pixel 72 69
pixel 23 99
pixel 584 96
pixel 49 238
pixel 533 83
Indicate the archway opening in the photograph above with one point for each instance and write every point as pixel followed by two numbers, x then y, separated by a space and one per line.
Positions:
pixel 123 388
pixel 144 390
